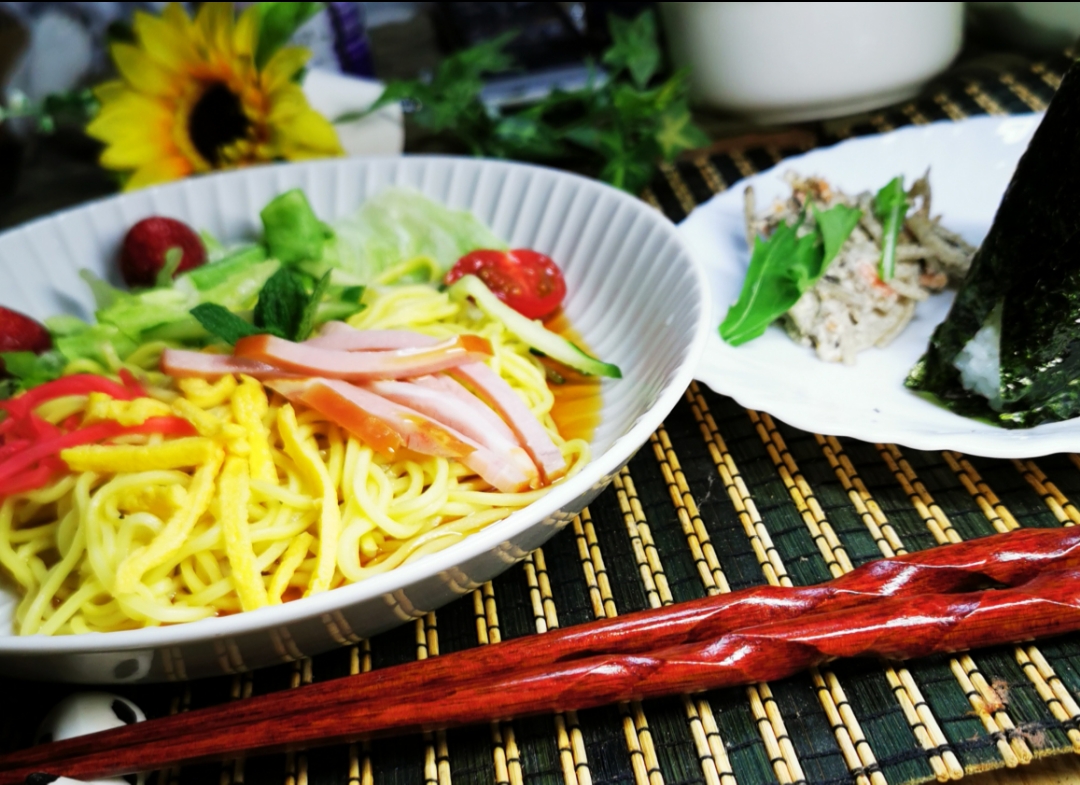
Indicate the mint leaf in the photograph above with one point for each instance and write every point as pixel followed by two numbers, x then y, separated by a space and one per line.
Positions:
pixel 890 205
pixel 634 47
pixel 222 322
pixel 307 315
pixel 30 370
pixel 835 225
pixel 282 300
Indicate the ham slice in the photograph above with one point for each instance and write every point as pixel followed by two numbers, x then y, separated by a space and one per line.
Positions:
pixel 388 426
pixel 447 402
pixel 181 363
pixel 338 335
pixel 310 360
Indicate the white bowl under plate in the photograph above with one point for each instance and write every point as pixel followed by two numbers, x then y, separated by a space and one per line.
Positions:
pixel 634 293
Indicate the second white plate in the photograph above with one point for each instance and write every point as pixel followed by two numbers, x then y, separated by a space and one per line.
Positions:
pixel 970 165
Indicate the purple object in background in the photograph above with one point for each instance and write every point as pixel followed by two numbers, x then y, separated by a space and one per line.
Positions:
pixel 351 42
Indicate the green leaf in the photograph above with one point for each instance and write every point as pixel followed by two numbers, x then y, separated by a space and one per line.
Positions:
pixel 352 294
pixel 677 132
pixel 31 369
pixel 634 47
pixel 835 225
pixel 307 316
pixel 277 23
pixel 291 230
pixel 280 309
pixel 173 257
pixel 781 269
pixel 223 323
pixel 890 205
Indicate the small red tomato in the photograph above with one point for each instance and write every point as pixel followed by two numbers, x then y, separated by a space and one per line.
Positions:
pixel 143 253
pixel 527 281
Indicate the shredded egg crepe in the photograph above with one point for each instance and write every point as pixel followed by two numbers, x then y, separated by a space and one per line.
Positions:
pixel 267 503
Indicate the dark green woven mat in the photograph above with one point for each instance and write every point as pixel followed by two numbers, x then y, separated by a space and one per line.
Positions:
pixel 721 498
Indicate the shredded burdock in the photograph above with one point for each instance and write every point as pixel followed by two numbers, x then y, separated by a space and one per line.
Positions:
pixel 850 308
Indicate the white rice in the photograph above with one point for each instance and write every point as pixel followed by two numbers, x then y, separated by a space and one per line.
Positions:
pixel 979 362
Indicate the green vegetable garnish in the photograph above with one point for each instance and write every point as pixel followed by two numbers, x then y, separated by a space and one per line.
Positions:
pixel 29 370
pixel 284 309
pixel 782 268
pixel 292 232
pixel 890 205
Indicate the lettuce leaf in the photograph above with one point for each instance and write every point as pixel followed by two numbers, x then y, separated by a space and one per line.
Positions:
pixel 396 226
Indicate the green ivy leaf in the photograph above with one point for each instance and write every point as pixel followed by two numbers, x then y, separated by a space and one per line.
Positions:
pixel 634 47
pixel 677 132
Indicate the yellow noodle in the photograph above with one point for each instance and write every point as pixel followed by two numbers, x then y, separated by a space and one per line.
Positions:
pixel 266 501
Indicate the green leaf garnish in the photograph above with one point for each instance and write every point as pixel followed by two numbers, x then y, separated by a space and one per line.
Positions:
pixel 782 268
pixel 284 309
pixel 890 205
pixel 291 230
pixel 307 315
pixel 173 257
pixel 223 323
pixel 29 369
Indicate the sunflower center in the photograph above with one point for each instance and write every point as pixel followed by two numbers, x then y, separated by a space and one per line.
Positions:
pixel 216 120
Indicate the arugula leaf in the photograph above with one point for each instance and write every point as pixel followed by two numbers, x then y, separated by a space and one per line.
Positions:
pixel 307 315
pixel 277 23
pixel 220 321
pixel 835 225
pixel 634 47
pixel 779 267
pixel 783 268
pixel 890 205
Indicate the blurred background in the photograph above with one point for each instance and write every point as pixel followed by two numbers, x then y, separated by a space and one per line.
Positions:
pixel 750 68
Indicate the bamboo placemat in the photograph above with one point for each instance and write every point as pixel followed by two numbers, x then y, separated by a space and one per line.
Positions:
pixel 719 499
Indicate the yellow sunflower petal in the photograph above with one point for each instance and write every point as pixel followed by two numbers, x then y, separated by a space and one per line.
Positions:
pixel 215 25
pixel 142 73
pixel 175 15
pixel 246 36
pixel 109 91
pixel 283 66
pixel 130 113
pixel 307 135
pixel 161 171
pixel 164 43
pixel 134 151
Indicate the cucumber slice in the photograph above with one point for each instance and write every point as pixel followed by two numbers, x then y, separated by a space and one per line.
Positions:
pixel 531 332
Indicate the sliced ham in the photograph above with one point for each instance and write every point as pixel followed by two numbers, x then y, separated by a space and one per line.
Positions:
pixel 531 434
pixel 388 426
pixel 338 335
pixel 181 363
pixel 447 402
pixel 334 364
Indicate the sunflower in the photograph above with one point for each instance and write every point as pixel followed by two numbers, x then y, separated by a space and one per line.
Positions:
pixel 192 99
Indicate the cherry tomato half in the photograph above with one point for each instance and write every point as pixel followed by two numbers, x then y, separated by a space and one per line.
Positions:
pixel 527 281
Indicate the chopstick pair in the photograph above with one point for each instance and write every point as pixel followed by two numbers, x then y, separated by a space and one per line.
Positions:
pixel 912 605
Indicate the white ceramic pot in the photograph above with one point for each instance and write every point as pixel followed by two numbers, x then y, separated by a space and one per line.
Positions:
pixel 779 62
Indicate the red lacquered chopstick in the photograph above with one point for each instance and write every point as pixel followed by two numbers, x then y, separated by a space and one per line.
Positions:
pixel 291 717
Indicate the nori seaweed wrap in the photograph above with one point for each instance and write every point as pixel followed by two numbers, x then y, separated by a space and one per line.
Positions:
pixel 1029 264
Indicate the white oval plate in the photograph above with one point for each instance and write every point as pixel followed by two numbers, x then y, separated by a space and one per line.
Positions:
pixel 634 293
pixel 970 165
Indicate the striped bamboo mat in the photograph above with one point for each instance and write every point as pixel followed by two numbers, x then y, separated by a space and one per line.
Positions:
pixel 719 499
